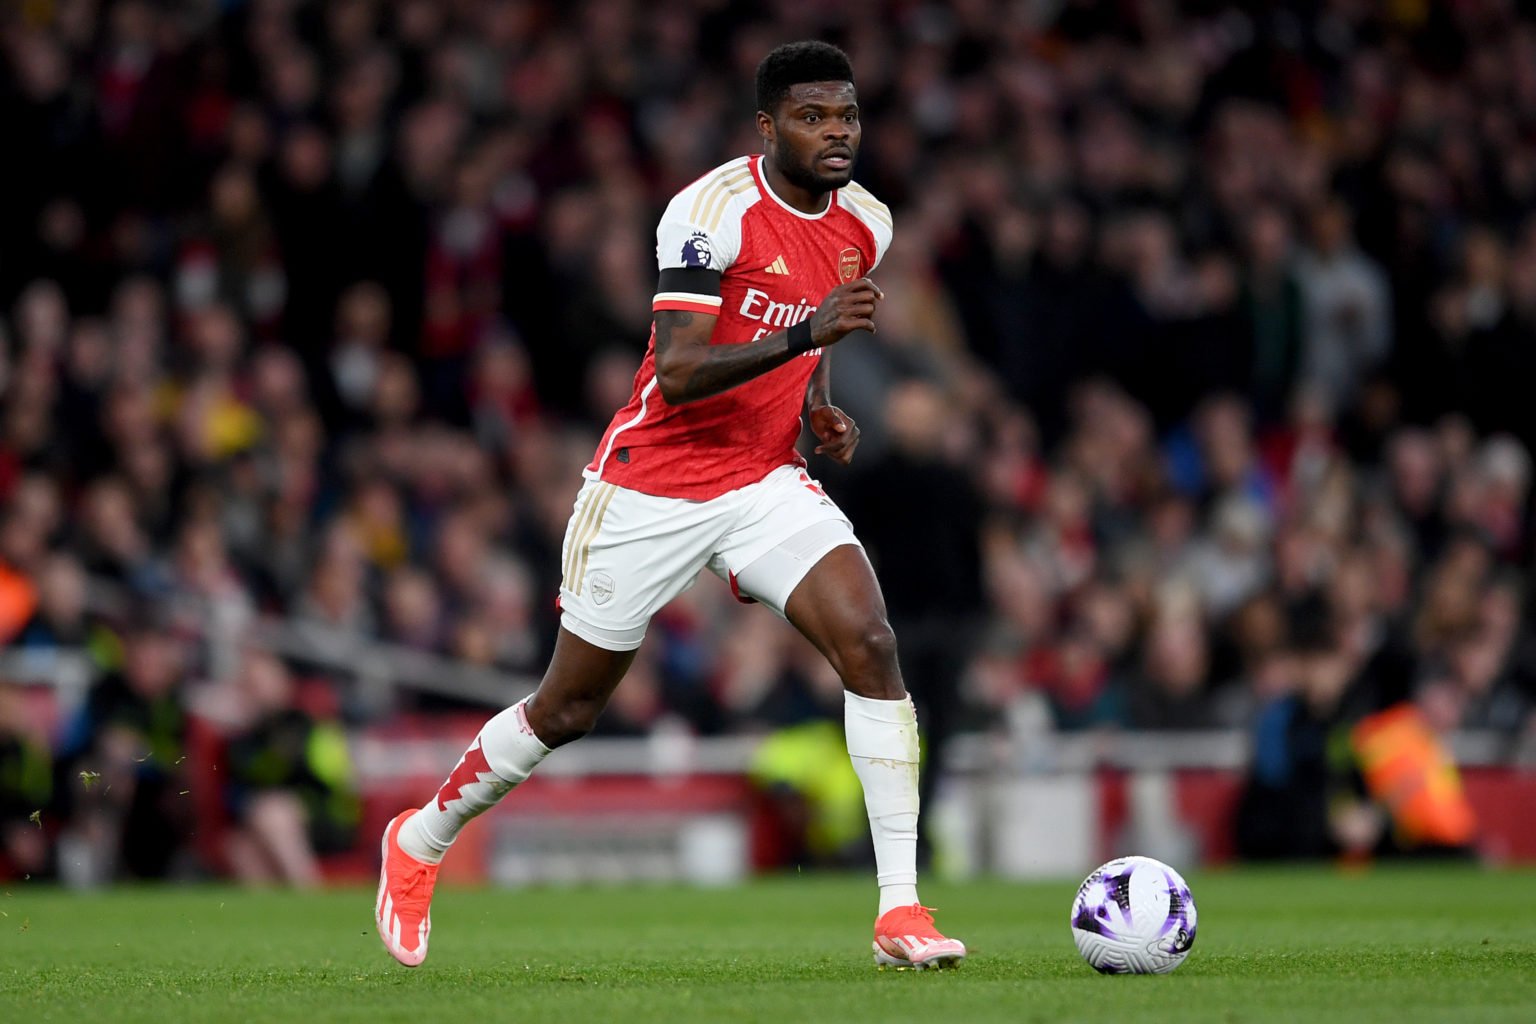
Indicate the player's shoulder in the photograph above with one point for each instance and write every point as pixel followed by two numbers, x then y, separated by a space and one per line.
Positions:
pixel 706 202
pixel 861 202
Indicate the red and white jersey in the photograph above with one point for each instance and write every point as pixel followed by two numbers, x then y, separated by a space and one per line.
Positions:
pixel 776 264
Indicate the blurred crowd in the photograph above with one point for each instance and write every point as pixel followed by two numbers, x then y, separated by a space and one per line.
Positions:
pixel 1199 396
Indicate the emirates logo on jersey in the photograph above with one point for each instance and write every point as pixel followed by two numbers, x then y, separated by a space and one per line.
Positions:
pixel 759 305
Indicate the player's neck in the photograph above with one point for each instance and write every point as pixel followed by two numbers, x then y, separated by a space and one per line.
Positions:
pixel 793 195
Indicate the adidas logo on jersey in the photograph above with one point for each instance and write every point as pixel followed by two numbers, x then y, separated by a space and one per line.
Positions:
pixel 778 266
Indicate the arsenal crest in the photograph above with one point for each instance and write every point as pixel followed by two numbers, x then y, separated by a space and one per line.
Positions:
pixel 849 263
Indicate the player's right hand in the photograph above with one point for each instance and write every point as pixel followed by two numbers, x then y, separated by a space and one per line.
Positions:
pixel 847 308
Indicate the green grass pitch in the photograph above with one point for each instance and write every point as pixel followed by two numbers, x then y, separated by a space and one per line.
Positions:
pixel 1447 944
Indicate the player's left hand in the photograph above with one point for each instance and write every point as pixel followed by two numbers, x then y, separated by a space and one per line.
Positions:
pixel 838 434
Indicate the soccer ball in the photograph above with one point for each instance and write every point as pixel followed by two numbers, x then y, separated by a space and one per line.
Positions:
pixel 1134 915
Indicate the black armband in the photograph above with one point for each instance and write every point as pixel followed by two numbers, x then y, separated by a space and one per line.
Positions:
pixel 800 339
pixel 690 281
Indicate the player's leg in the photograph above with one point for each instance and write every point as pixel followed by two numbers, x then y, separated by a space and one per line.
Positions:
pixel 580 679
pixel 575 688
pixel 626 554
pixel 839 608
pixel 818 577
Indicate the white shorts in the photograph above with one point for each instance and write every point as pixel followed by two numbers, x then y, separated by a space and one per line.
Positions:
pixel 626 554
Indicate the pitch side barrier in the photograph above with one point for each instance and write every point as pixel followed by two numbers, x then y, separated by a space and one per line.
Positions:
pixel 1021 801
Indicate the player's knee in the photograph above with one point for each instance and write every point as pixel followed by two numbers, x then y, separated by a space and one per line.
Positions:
pixel 869 660
pixel 879 643
pixel 565 722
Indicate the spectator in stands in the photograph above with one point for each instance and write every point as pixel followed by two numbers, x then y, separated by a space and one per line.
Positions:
pixel 502 630
pixel 1273 303
pixel 334 598
pixel 1170 692
pixel 126 794
pixel 26 792
pixel 1347 307
pixel 290 786
pixel 61 620
pixel 1302 798
pixel 1232 564
pixel 412 610
pixel 352 365
pixel 112 543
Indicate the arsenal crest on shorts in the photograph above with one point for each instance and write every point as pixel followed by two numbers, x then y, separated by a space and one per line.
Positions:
pixel 848 264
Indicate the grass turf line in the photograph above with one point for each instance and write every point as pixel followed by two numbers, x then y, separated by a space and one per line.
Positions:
pixel 1275 945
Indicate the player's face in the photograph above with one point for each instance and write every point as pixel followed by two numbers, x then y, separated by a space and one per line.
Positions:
pixel 814 135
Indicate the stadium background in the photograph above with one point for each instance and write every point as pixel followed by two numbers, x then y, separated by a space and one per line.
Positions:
pixel 1196 432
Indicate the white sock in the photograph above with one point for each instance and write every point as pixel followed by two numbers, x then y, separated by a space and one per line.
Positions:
pixel 882 743
pixel 504 754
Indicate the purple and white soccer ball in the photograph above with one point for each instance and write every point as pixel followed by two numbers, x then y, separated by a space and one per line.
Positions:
pixel 1134 915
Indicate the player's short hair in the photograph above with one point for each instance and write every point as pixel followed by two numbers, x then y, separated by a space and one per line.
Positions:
pixel 794 63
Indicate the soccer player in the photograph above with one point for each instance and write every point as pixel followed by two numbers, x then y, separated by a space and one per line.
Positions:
pixel 763 266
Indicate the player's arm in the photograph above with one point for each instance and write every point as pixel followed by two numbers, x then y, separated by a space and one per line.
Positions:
pixel 689 368
pixel 835 429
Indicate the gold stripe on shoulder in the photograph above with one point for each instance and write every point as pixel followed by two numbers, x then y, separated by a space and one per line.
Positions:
pixel 713 184
pixel 870 205
pixel 715 213
pixel 706 188
pixel 865 195
pixel 719 194
pixel 878 217
pixel 707 198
